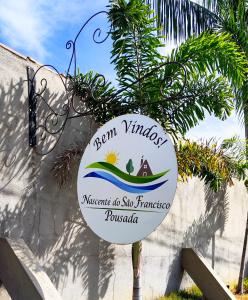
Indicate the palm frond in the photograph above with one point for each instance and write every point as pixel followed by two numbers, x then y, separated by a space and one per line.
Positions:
pixel 213 52
pixel 63 164
pixel 179 19
pixel 214 164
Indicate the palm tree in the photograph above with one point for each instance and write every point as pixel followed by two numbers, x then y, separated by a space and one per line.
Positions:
pixel 181 19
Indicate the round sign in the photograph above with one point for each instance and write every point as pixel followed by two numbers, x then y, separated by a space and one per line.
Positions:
pixel 127 179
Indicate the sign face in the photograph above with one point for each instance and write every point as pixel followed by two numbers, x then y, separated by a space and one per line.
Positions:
pixel 127 179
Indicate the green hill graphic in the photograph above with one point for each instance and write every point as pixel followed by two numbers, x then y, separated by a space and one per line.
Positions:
pixel 129 178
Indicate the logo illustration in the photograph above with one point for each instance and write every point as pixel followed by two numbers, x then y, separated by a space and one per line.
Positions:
pixel 141 183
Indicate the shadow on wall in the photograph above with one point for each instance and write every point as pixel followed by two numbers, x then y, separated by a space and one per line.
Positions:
pixel 200 234
pixel 13 163
pixel 33 208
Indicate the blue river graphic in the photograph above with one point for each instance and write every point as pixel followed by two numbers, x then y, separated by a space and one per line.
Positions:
pixel 124 186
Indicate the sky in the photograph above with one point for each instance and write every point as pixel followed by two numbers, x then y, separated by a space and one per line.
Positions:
pixel 41 28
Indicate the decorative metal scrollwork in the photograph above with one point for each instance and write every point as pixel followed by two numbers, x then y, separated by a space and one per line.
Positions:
pixel 51 124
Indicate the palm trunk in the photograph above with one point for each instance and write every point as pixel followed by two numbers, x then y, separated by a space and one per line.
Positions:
pixel 240 288
pixel 136 261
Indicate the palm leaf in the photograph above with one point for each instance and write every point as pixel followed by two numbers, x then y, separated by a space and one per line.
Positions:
pixel 179 19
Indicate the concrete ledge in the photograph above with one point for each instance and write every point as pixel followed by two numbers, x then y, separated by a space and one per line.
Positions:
pixel 204 276
pixel 22 275
pixel 4 294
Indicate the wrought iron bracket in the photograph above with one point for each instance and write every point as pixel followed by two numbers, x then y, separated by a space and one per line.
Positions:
pixel 54 121
pixel 31 108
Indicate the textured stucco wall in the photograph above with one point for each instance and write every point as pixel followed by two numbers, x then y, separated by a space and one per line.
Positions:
pixel 82 266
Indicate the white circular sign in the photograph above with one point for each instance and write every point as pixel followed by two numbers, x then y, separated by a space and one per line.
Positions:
pixel 127 179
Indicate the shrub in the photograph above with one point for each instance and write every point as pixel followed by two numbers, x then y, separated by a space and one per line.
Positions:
pixel 192 293
pixel 246 285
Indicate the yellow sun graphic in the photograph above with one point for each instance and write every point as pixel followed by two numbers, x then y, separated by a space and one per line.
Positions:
pixel 111 157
